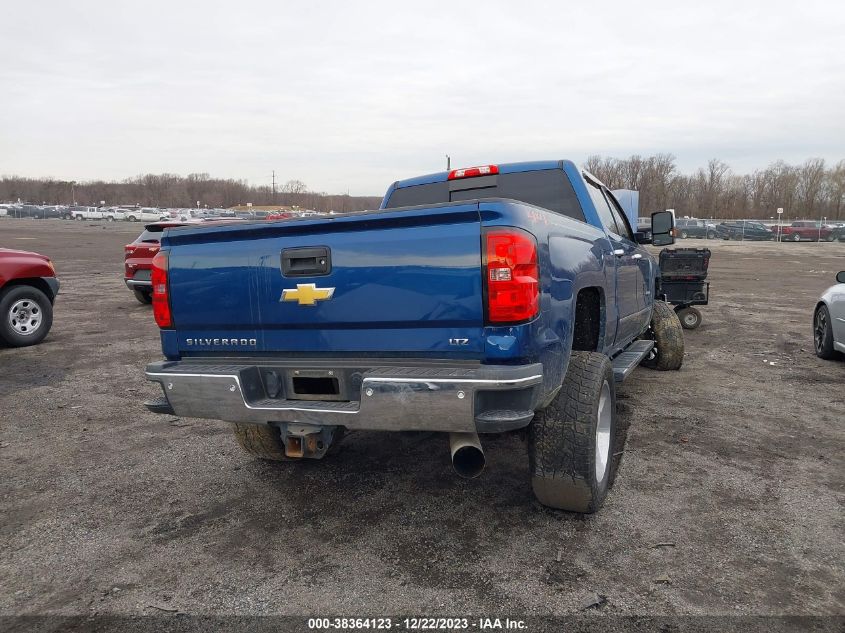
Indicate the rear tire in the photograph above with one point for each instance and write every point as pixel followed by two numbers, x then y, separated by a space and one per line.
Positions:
pixel 572 441
pixel 690 318
pixel 823 334
pixel 26 316
pixel 668 336
pixel 143 297
pixel 684 235
pixel 796 238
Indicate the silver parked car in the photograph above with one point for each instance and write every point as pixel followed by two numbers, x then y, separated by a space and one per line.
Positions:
pixel 829 320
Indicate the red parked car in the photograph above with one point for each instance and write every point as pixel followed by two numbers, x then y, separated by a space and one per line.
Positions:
pixel 138 256
pixel 28 289
pixel 804 230
pixel 138 259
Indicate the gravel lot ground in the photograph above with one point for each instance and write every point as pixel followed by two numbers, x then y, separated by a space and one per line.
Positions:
pixel 729 500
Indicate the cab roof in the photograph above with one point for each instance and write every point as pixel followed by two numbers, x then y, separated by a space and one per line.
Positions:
pixel 504 168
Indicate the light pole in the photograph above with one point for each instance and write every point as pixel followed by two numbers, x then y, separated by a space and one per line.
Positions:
pixel 73 192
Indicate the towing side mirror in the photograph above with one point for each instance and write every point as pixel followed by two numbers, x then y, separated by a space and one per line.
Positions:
pixel 662 225
pixel 840 277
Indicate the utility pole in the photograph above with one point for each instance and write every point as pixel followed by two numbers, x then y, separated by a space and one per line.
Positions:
pixel 448 162
pixel 273 201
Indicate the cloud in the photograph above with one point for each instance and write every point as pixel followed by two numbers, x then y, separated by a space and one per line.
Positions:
pixel 351 96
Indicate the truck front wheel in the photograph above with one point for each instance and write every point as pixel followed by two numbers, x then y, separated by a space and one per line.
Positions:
pixel 571 442
pixel 668 336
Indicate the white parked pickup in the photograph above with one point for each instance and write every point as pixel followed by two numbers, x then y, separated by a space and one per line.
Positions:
pixel 146 214
pixel 110 214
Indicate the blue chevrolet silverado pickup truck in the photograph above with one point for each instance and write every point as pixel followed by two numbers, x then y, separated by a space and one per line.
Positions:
pixel 492 299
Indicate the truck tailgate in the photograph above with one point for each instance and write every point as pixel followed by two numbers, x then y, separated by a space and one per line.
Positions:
pixel 395 281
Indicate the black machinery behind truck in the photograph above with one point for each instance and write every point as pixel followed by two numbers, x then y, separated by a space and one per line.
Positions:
pixel 683 272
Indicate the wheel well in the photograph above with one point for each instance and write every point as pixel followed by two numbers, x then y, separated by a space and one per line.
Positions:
pixel 587 327
pixel 35 282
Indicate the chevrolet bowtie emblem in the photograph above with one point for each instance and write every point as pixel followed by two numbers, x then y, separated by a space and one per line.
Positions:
pixel 307 294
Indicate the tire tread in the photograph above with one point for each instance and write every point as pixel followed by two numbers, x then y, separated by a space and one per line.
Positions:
pixel 262 441
pixel 562 436
pixel 668 338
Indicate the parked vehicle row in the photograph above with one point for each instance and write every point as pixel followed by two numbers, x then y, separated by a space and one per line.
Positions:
pixel 797 231
pixel 141 214
pixel 77 212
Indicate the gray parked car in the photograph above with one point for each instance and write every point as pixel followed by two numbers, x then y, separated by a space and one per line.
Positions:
pixel 829 321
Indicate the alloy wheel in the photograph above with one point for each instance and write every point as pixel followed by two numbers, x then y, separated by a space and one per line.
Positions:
pixel 602 457
pixel 820 331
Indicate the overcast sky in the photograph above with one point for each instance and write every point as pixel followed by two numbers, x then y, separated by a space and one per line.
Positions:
pixel 354 95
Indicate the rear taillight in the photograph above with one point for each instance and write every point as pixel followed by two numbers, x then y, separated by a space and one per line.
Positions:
pixel 471 172
pixel 129 249
pixel 513 290
pixel 161 300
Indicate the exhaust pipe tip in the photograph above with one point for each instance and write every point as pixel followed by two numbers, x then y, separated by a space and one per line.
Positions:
pixel 468 462
pixel 467 455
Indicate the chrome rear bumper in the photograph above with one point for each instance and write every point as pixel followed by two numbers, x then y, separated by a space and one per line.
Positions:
pixel 435 397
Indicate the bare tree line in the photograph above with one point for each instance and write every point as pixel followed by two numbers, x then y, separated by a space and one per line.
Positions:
pixel 171 190
pixel 811 190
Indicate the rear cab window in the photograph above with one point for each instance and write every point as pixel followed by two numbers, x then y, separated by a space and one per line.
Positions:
pixel 151 235
pixel 546 188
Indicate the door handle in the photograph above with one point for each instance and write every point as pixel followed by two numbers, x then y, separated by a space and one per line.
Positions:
pixel 619 252
pixel 637 256
pixel 306 262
